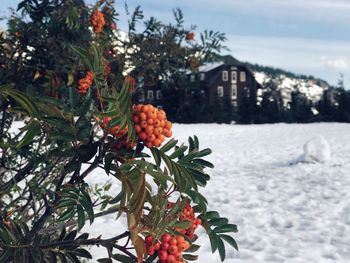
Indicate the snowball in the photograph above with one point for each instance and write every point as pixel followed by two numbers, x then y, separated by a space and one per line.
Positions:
pixel 316 150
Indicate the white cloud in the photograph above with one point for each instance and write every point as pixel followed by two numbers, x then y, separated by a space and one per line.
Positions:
pixel 336 63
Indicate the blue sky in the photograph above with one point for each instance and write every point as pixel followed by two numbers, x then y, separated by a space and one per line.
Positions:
pixel 303 36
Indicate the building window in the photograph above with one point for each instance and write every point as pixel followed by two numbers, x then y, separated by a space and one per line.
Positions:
pixel 141 96
pixel 193 78
pixel 224 75
pixel 150 94
pixel 243 76
pixel 233 91
pixel 202 76
pixel 220 91
pixel 234 103
pixel 159 94
pixel 234 76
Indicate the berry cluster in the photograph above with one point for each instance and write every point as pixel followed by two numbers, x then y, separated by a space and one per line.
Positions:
pixel 85 83
pixel 169 250
pixel 188 214
pixel 190 36
pixel 121 135
pixel 151 125
pixel 98 21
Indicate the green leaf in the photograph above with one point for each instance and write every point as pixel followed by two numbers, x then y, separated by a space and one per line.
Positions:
pixel 226 228
pixel 105 260
pixel 230 240
pixel 213 237
pixel 156 156
pixel 182 224
pixel 33 128
pixel 169 145
pixel 178 152
pixel 212 215
pixel 190 257
pixel 81 217
pixel 82 253
pixel 221 248
pixel 203 163
pixel 193 248
pixel 218 221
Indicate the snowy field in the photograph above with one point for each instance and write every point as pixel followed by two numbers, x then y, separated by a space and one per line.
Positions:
pixel 285 212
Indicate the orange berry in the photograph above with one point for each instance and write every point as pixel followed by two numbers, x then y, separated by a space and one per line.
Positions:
pixel 149 144
pixel 145 108
pixel 136 119
pixel 157 131
pixel 143 124
pixel 173 249
pixel 161 137
pixel 150 121
pixel 157 142
pixel 177 255
pixel 180 239
pixel 162 123
pixel 142 136
pixel 149 130
pixel 168 125
pixel 143 116
pixel 156 123
pixel 137 128
pixel 151 138
pixel 173 241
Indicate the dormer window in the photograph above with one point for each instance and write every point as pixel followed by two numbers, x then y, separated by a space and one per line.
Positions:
pixel 224 75
pixel 202 76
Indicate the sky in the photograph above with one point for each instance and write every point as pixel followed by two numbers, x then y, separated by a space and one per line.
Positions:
pixel 303 36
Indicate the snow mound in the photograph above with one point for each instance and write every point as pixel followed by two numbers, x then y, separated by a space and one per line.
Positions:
pixel 316 150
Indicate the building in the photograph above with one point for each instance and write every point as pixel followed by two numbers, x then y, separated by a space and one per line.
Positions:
pixel 228 79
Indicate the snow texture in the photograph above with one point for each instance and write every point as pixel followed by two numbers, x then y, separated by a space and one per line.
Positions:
pixel 285 213
pixel 316 150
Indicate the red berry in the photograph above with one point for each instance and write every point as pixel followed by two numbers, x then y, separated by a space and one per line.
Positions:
pixel 166 238
pixel 163 255
pixel 149 239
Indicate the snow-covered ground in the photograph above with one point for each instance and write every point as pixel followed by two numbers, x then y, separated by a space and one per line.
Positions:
pixel 285 212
